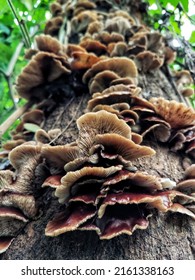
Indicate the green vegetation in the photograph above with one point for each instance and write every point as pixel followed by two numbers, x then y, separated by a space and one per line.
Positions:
pixel 32 15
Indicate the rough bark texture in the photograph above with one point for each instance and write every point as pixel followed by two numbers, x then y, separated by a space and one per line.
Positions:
pixel 169 236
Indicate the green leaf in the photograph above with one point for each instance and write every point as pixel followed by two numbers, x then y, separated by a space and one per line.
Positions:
pixel 185 4
pixel 192 18
pixel 28 4
pixel 31 127
pixel 4 29
pixel 174 3
pixel 192 37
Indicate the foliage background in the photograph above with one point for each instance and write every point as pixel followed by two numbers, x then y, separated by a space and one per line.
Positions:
pixel 169 17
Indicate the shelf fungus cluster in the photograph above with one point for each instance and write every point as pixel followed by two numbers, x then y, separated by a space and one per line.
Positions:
pixel 17 196
pixel 47 71
pixel 95 178
pixel 101 189
pixel 171 122
pixel 118 35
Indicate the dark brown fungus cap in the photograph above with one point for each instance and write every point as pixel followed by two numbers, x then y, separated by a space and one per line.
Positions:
pixel 161 132
pixel 117 49
pixel 117 144
pixel 106 108
pixel 71 219
pixel 5 242
pixel 170 55
pixel 107 38
pixel 176 114
pixel 123 14
pixel 52 27
pixel 46 43
pixel 123 67
pixel 11 144
pixel 162 201
pixel 119 89
pixel 42 136
pixel 128 97
pixel 183 77
pixel 187 92
pixel 52 181
pixel 117 24
pixel 35 116
pixel 190 172
pixel 122 219
pixel 187 186
pixel 83 61
pixel 80 22
pixel 101 81
pixel 63 191
pixel 56 9
pixel 95 27
pixel 94 46
pixel 147 61
pixel 71 48
pixel 57 156
pixel 85 4
pixel 80 162
pixel 42 69
pixel 138 179
pixel 122 81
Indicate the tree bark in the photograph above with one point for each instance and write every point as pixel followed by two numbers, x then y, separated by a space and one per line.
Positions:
pixel 168 236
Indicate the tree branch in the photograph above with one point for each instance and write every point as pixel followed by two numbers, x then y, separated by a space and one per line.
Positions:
pixel 17 114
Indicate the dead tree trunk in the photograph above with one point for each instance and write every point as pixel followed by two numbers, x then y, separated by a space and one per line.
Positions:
pixel 168 236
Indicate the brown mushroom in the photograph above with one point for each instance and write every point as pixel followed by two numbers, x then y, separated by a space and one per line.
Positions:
pixel 52 27
pixel 57 156
pixel 107 38
pixel 117 144
pixel 80 22
pixel 94 46
pixel 83 61
pixel 71 219
pixel 148 61
pixel 176 114
pixel 34 76
pixel 91 124
pixel 5 242
pixel 56 9
pixel 123 67
pixel 95 27
pixel 63 191
pixel 11 144
pixel 122 219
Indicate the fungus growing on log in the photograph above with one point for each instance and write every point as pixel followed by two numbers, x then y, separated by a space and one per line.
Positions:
pixel 123 67
pixel 99 178
pixel 17 196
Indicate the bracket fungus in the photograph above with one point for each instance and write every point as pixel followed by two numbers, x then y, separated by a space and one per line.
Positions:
pixel 50 64
pixel 97 178
pixel 123 67
pixel 17 196
pixel 110 196
pixel 170 121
